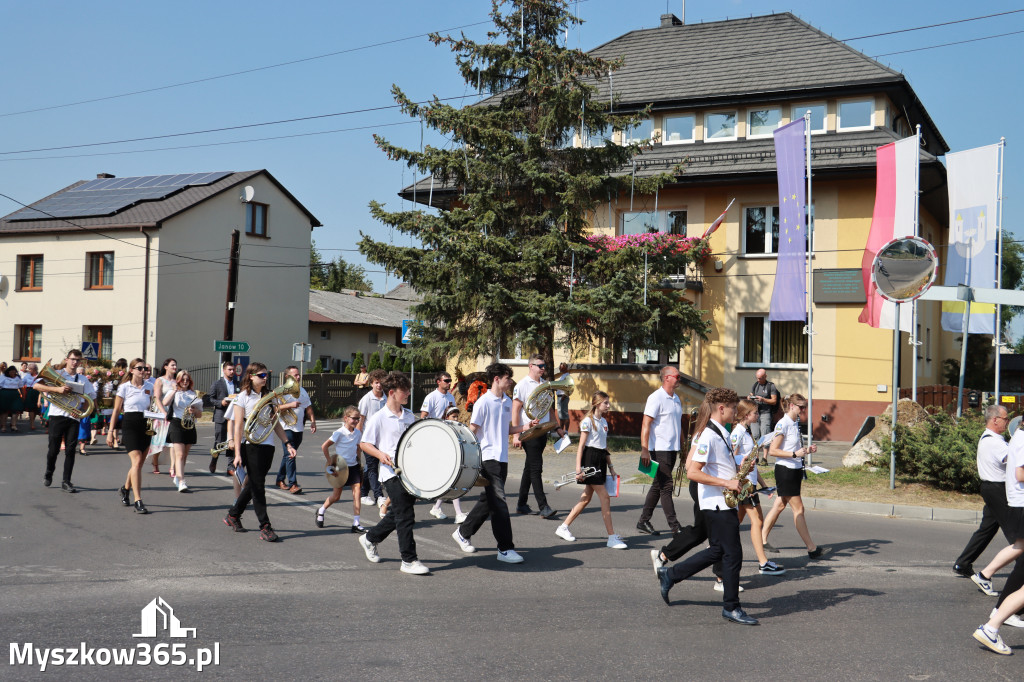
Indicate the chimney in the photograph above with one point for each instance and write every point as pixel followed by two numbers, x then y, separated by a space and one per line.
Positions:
pixel 104 176
pixel 668 20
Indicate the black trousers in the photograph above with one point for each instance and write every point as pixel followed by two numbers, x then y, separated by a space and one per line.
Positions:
pixel 661 489
pixel 62 429
pixel 220 431
pixel 401 516
pixel 257 460
pixel 689 537
pixel 993 517
pixel 491 505
pixel 534 451
pixel 724 534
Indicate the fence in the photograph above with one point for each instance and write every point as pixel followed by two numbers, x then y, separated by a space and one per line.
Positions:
pixel 331 392
pixel 942 397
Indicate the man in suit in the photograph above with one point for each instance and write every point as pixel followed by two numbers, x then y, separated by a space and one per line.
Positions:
pixel 221 393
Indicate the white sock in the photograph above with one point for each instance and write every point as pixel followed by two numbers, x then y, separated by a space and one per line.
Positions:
pixel 437 505
pixel 321 511
pixel 355 520
pixel 989 631
pixel 563 527
pixel 458 507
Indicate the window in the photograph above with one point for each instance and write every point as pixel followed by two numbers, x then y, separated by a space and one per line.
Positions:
pixel 856 114
pixel 256 219
pixel 772 343
pixel 373 337
pixel 639 133
pixel 756 229
pixel 719 127
pixel 817 116
pixel 639 222
pixel 100 270
pixel 678 129
pixel 597 138
pixel 761 122
pixel 30 273
pixel 30 342
pixel 325 334
pixel 103 336
pixel 648 356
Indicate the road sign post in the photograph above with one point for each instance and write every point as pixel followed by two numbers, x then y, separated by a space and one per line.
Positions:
pixel 231 347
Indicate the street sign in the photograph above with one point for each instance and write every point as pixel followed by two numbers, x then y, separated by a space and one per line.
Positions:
pixel 240 362
pixel 407 326
pixel 91 350
pixel 230 347
pixel 302 352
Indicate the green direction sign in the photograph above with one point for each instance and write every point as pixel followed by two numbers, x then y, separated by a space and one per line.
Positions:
pixel 230 347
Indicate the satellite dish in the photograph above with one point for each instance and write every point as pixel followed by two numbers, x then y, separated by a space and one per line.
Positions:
pixel 904 268
pixel 247 194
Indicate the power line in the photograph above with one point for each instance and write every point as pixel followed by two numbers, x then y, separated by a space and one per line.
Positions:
pixel 921 28
pixel 958 42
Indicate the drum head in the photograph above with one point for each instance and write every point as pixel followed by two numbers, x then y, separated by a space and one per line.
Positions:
pixel 429 457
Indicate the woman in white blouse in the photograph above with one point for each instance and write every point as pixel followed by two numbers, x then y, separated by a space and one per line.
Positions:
pixel 10 397
pixel 133 399
pixel 177 400
pixel 162 383
pixel 593 452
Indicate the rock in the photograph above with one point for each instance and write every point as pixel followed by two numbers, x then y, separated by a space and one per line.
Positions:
pixel 863 452
pixel 908 413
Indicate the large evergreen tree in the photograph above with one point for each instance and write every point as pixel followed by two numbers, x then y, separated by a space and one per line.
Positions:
pixel 507 259
pixel 335 275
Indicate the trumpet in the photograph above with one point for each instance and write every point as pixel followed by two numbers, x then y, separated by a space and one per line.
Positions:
pixel 570 477
pixel 71 402
pixel 263 419
pixel 221 447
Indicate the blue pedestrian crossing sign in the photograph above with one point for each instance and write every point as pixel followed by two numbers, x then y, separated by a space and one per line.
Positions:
pixel 407 326
pixel 91 350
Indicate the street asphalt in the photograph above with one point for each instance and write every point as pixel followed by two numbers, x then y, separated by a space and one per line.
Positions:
pixel 77 570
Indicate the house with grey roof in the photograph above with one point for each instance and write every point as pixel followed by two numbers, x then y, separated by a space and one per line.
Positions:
pixel 139 266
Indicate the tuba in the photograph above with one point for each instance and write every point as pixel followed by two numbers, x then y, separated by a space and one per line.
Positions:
pixel 70 403
pixel 540 402
pixel 263 418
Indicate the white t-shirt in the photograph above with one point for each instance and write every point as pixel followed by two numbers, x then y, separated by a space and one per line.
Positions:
pixel 369 404
pixel 522 393
pixel 561 393
pixel 180 402
pixel 136 398
pixel 345 444
pixel 992 451
pixel 56 411
pixel 300 412
pixel 245 401
pixel 493 416
pixel 667 413
pixel 597 430
pixel 14 383
pixel 1014 460
pixel 383 430
pixel 742 445
pixel 716 454
pixel 791 442
pixel 437 403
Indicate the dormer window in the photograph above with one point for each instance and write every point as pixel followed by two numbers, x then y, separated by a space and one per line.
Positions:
pixel 720 126
pixel 856 114
pixel 817 116
pixel 761 122
pixel 641 132
pixel 678 129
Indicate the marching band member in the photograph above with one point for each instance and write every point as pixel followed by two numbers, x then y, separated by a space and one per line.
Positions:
pixel 491 423
pixel 436 405
pixel 255 457
pixel 380 440
pixel 162 383
pixel 178 399
pixel 714 470
pixel 346 446
pixel 533 449
pixel 62 426
pixel 222 392
pixel 789 474
pixel 133 398
pixel 31 394
pixel 593 452
pixel 743 447
pixel 369 405
pixel 303 408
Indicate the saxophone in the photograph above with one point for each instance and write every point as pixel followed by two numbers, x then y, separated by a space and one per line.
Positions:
pixel 733 499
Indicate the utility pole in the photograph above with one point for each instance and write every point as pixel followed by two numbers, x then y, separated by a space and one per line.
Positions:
pixel 229 309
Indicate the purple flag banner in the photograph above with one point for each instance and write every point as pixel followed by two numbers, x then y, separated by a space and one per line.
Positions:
pixel 789 295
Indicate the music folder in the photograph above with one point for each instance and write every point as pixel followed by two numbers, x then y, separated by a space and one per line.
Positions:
pixel 650 469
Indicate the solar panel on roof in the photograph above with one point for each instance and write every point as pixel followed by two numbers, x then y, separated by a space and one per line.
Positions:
pixel 107 196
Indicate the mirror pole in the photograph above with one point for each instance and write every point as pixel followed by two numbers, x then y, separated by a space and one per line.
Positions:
pixel 895 398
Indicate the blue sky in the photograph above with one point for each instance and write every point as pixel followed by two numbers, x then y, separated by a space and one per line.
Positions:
pixel 64 52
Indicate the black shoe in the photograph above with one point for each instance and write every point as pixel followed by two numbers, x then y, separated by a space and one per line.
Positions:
pixel 47 481
pixel 769 548
pixel 666 583
pixel 124 496
pixel 524 509
pixel 547 512
pixel 818 552
pixel 267 533
pixel 739 616
pixel 140 508
pixel 68 487
pixel 319 520
pixel 646 527
pixel 213 465
pixel 358 529
pixel 966 570
pixel 234 523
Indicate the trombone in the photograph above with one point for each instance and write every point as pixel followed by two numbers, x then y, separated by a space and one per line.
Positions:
pixel 570 477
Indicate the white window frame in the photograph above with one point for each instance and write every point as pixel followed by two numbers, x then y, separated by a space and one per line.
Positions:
pixel 798 112
pixel 752 136
pixel 608 138
pixel 627 136
pixel 661 218
pixel 766 346
pixel 693 129
pixel 767 253
pixel 735 126
pixel 839 117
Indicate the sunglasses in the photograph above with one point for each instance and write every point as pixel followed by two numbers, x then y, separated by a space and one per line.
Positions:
pixel 541 365
pixel 446 381
pixel 139 369
pixel 261 375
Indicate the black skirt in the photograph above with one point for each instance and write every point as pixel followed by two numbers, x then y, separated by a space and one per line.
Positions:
pixel 133 432
pixel 177 434
pixel 597 458
pixel 788 481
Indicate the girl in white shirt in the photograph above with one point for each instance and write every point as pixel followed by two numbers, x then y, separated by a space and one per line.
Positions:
pixel 593 452
pixel 177 400
pixel 133 399
pixel 346 446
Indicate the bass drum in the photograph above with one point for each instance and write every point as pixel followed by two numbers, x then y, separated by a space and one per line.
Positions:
pixel 438 459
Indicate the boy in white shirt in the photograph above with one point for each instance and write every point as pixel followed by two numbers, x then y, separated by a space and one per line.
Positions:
pixel 346 446
pixel 369 404
pixel 436 406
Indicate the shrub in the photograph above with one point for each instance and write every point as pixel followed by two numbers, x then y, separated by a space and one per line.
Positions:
pixel 374 362
pixel 318 367
pixel 357 362
pixel 388 363
pixel 942 451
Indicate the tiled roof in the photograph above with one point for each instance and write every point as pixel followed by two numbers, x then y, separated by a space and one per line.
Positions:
pixel 351 307
pixel 145 214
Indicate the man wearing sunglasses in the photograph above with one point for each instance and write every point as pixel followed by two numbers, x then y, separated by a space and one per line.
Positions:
pixel 62 426
pixel 533 449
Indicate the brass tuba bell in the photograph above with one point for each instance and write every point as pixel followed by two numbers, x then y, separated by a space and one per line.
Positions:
pixel 263 418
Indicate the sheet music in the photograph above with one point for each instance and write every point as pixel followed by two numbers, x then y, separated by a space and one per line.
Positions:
pixel 76 386
pixel 817 470
pixel 562 443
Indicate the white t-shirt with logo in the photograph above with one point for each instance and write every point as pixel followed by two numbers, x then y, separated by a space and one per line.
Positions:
pixel 742 445
pixel 437 403
pixel 791 442
pixel 383 431
pixel 345 444
pixel 714 451
pixel 300 412
pixel 522 393
pixel 1014 461
pixel 493 416
pixel 992 452
pixel 667 413
pixel 597 432
pixel 136 398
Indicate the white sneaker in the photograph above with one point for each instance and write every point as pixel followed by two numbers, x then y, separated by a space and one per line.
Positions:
pixel 415 568
pixel 181 486
pixel 510 557
pixel 1014 621
pixel 657 561
pixel 370 549
pixel 381 501
pixel 993 643
pixel 563 532
pixel 720 587
pixel 174 480
pixel 615 542
pixel 461 518
pixel 463 542
pixel 438 514
pixel 368 500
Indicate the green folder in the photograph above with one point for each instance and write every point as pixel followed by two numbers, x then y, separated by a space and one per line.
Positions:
pixel 649 469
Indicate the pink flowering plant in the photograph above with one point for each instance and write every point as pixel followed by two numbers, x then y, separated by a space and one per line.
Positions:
pixel 691 249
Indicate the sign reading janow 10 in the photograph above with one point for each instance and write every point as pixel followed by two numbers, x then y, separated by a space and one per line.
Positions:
pixel 230 347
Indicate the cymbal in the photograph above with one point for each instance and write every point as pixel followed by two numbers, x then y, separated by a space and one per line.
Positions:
pixel 340 475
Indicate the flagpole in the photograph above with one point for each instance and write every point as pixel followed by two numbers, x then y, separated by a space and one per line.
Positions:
pixel 914 341
pixel 809 212
pixel 999 263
